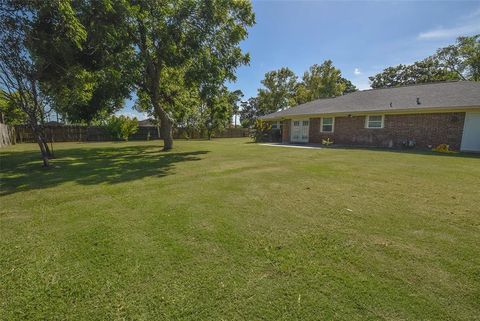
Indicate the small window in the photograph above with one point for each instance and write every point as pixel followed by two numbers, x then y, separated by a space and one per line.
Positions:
pixel 276 125
pixel 326 125
pixel 374 121
pixel 296 123
pixel 305 123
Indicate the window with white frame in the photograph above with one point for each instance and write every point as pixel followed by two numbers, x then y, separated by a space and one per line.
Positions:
pixel 374 121
pixel 276 125
pixel 327 124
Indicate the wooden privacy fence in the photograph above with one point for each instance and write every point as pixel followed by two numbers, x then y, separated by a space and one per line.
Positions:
pixel 7 135
pixel 78 133
pixel 226 133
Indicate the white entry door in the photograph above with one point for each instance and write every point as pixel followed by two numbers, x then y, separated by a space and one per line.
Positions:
pixel 300 131
pixel 471 133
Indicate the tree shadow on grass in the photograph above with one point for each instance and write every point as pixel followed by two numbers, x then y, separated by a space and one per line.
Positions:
pixel 22 171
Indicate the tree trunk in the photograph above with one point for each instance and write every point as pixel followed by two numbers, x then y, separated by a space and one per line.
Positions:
pixel 165 126
pixel 166 131
pixel 43 151
pixel 43 138
pixel 47 148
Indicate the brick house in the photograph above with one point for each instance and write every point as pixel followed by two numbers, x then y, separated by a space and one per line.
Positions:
pixel 421 116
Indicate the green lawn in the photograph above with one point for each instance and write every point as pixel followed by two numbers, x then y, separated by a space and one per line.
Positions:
pixel 230 230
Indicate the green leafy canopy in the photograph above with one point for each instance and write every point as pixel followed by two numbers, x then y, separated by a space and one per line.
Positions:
pixel 460 61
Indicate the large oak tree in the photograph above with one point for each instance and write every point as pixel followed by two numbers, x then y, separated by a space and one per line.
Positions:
pixel 197 41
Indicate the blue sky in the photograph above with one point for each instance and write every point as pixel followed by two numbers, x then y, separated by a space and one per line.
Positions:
pixel 361 38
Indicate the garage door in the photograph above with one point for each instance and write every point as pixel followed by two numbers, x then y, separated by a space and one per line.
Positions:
pixel 471 133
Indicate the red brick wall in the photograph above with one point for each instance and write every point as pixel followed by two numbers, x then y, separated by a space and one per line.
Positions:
pixel 286 131
pixel 426 129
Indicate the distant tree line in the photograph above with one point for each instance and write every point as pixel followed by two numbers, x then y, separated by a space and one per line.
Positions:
pixel 460 61
pixel 281 88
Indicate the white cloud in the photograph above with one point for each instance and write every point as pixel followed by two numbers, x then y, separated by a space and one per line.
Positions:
pixel 470 26
pixel 357 72
pixel 441 33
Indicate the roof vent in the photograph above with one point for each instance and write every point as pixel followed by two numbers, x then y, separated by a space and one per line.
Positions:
pixel 418 101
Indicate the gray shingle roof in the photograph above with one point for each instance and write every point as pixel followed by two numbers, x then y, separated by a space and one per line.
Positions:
pixel 440 95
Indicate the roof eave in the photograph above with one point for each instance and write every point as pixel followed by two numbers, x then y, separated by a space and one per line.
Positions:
pixel 369 112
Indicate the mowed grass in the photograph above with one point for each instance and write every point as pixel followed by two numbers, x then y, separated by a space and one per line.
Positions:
pixel 230 230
